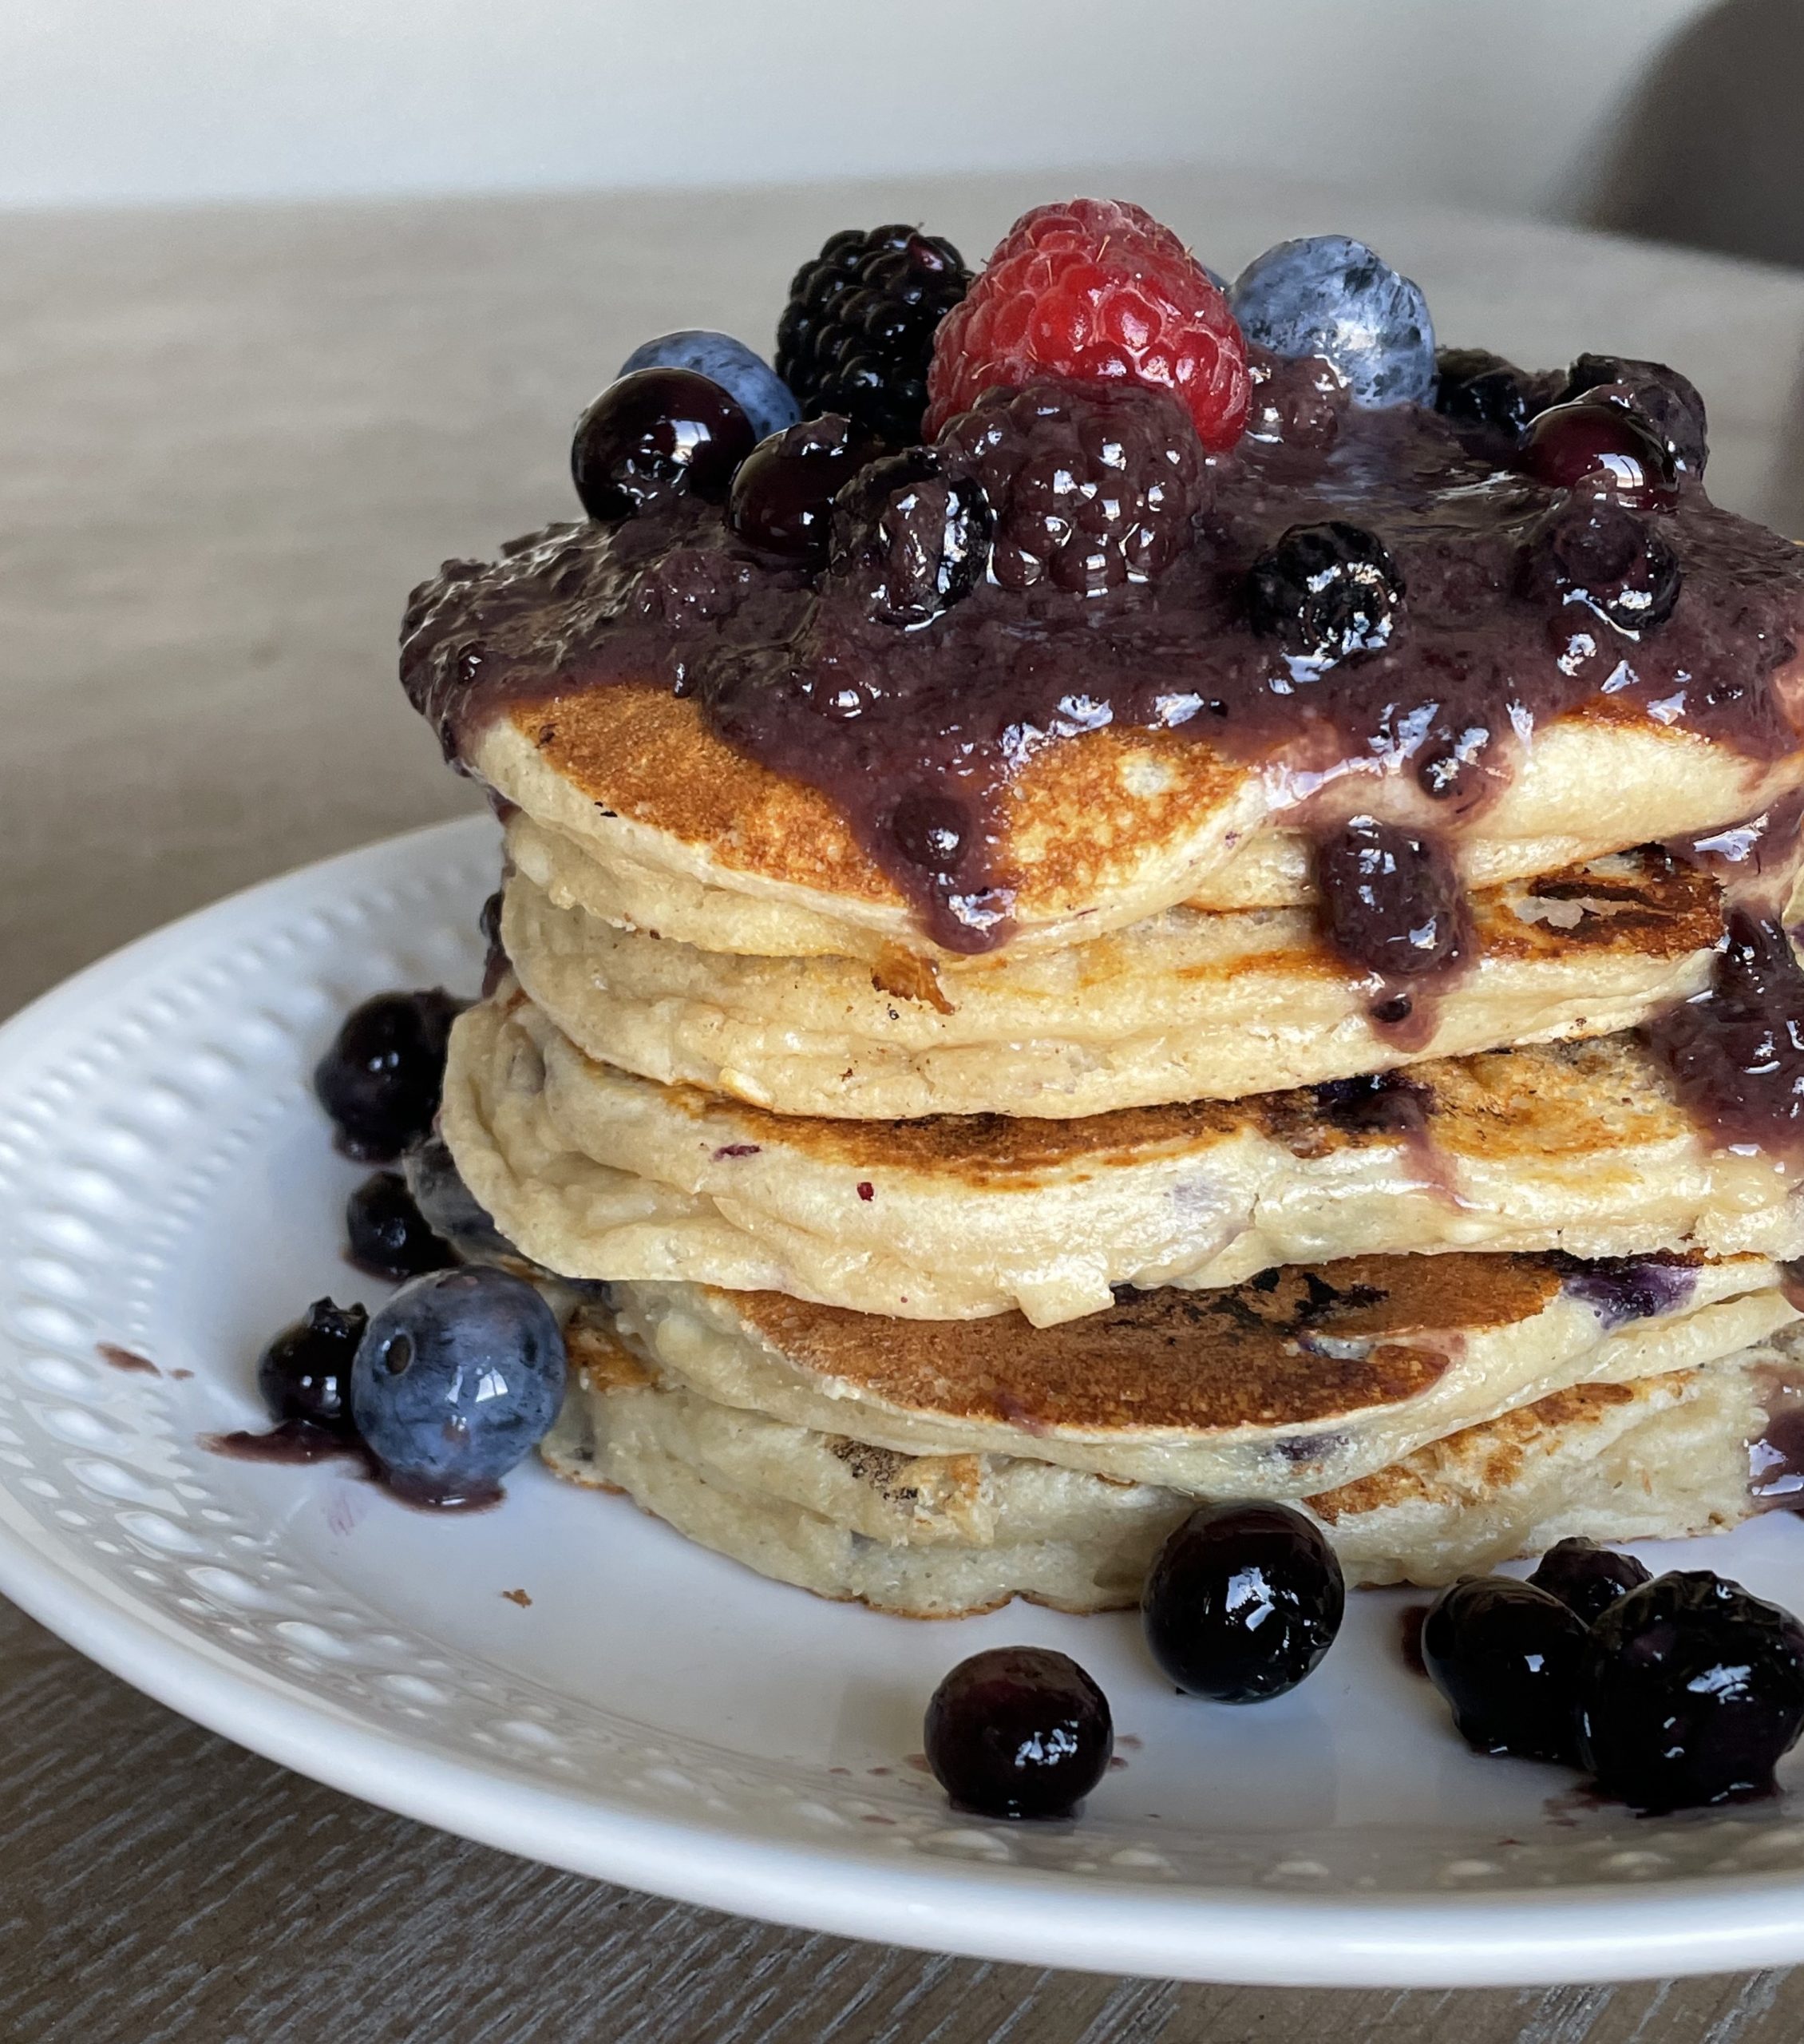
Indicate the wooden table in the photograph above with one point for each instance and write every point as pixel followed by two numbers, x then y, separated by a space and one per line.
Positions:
pixel 229 443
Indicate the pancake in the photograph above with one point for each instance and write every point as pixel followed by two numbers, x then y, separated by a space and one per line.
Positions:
pixel 1182 1007
pixel 946 1536
pixel 596 1173
pixel 1100 829
pixel 1303 1380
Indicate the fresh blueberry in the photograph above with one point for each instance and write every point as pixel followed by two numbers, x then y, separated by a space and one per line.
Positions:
pixel 740 371
pixel 1242 1602
pixel 386 1234
pixel 1587 1578
pixel 1019 1732
pixel 1329 295
pixel 305 1372
pixel 381 1078
pixel 1690 1690
pixel 457 1378
pixel 1505 1656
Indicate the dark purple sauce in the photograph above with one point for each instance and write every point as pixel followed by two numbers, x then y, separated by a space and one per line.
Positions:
pixel 789 667
pixel 128 1359
pixel 1381 1103
pixel 1620 1288
pixel 1736 1051
pixel 299 1442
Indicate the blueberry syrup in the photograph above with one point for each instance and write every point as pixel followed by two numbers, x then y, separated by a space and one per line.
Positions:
pixel 1620 1288
pixel 299 1443
pixel 128 1359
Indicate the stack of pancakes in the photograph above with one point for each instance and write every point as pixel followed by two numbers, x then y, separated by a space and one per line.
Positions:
pixel 933 1279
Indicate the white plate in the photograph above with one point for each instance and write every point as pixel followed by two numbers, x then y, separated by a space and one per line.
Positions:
pixel 656 1715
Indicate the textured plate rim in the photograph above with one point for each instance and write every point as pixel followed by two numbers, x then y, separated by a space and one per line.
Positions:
pixel 1243 1935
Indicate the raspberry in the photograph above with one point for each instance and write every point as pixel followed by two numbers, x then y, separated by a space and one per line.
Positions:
pixel 1093 485
pixel 859 328
pixel 1101 292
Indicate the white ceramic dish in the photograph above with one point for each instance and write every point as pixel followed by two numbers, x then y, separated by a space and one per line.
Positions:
pixel 656 1715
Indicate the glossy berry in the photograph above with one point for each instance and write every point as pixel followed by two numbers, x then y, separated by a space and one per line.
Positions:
pixel 1242 1602
pixel 910 540
pixel 495 965
pixel 1505 1656
pixel 1328 295
pixel 1690 1690
pixel 690 588
pixel 1594 551
pixel 1481 393
pixel 1019 1732
pixel 1392 901
pixel 744 374
pixel 1094 486
pixel 858 330
pixel 380 1079
pixel 656 431
pixel 932 831
pixel 1595 448
pixel 782 499
pixel 1587 1578
pixel 1293 404
pixel 1101 293
pixel 1665 400
pixel 457 1378
pixel 305 1372
pixel 1325 591
pixel 387 1232
pixel 449 1207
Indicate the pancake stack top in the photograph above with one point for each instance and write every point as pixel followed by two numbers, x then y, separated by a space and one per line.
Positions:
pixel 1190 935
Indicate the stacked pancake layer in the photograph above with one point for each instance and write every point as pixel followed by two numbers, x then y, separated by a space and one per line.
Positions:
pixel 933 1281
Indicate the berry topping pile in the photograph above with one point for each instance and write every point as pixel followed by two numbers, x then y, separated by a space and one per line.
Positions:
pixel 1673 1691
pixel 1100 293
pixel 859 329
pixel 1094 485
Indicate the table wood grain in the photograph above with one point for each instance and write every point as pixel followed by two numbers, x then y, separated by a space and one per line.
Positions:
pixel 229 443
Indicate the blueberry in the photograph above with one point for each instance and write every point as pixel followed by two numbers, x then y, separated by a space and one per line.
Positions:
pixel 1599 449
pixel 456 1379
pixel 1328 295
pixel 1594 551
pixel 1019 1732
pixel 656 431
pixel 1505 1656
pixel 380 1079
pixel 1690 1690
pixel 449 1207
pixel 1325 591
pixel 743 372
pixel 1587 1578
pixel 782 498
pixel 1481 393
pixel 1664 399
pixel 910 539
pixel 1242 1602
pixel 305 1372
pixel 387 1234
pixel 1393 901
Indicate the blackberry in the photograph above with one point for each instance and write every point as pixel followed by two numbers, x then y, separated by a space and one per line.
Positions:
pixel 1326 592
pixel 858 334
pixel 911 540
pixel 1094 485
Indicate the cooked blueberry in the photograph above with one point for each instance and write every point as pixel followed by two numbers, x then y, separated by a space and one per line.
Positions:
pixel 1392 901
pixel 1019 1732
pixel 387 1232
pixel 305 1372
pixel 1482 393
pixel 656 431
pixel 1666 400
pixel 911 540
pixel 743 373
pixel 1593 551
pixel 1690 1690
pixel 495 966
pixel 457 1378
pixel 782 498
pixel 1599 449
pixel 448 1206
pixel 1587 1578
pixel 1325 591
pixel 380 1079
pixel 1329 295
pixel 932 831
pixel 1505 1656
pixel 1242 1602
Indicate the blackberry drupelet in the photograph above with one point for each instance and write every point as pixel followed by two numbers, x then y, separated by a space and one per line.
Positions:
pixel 1093 486
pixel 857 333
